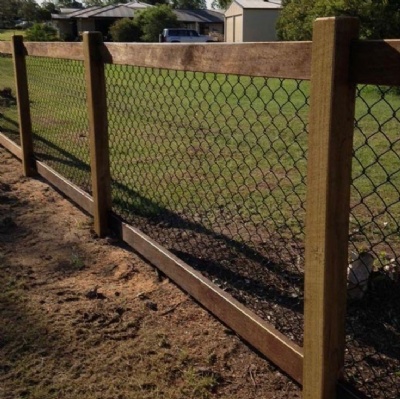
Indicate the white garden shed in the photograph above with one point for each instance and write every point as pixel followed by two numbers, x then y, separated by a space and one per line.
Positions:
pixel 252 20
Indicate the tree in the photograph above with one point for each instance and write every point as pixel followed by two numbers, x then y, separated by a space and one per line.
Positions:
pixel 151 21
pixel 8 12
pixel 29 10
pixel 221 4
pixel 69 3
pixel 378 18
pixel 125 30
pixel 45 11
pixel 189 4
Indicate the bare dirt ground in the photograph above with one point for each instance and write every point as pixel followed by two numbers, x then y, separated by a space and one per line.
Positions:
pixel 82 317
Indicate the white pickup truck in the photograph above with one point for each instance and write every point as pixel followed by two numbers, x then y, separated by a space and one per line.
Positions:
pixel 177 35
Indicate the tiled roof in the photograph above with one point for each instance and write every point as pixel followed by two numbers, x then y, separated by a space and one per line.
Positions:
pixel 75 14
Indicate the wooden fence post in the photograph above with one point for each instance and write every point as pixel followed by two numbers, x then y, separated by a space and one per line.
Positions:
pixel 24 113
pixel 98 130
pixel 330 146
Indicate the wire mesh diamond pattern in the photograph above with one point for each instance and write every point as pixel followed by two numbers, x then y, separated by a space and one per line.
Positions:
pixel 9 124
pixel 213 167
pixel 373 318
pixel 59 116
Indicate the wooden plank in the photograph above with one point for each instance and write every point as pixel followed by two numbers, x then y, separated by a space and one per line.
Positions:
pixel 260 334
pixel 98 130
pixel 23 105
pixel 376 62
pixel 66 50
pixel 277 59
pixel 77 195
pixel 5 47
pixel 330 145
pixel 11 146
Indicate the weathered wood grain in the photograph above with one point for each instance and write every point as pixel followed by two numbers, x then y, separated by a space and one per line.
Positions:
pixel 330 146
pixel 77 195
pixel 281 60
pixel 23 105
pixel 98 130
pixel 5 47
pixel 11 146
pixel 67 50
pixel 260 334
pixel 375 62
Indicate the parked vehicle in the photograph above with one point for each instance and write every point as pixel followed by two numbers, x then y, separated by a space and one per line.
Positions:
pixel 177 35
pixel 22 24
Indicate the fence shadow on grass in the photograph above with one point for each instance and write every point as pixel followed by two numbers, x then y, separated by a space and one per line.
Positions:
pixel 249 275
pixel 10 128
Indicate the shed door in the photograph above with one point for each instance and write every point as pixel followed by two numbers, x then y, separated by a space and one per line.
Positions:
pixel 238 28
pixel 230 29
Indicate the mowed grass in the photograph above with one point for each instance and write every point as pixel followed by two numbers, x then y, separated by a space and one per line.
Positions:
pixel 7 34
pixel 9 118
pixel 213 147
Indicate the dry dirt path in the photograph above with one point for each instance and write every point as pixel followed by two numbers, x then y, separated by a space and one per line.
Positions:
pixel 82 317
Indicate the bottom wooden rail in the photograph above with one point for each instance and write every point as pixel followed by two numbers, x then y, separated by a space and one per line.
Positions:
pixel 261 335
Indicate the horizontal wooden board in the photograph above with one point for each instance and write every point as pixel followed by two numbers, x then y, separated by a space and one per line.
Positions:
pixel 275 59
pixel 66 50
pixel 5 47
pixel 260 334
pixel 77 195
pixel 11 146
pixel 376 62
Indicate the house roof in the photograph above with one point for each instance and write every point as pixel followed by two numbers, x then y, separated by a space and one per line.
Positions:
pixel 67 10
pixel 74 14
pixel 111 11
pixel 261 4
pixel 118 11
pixel 128 10
pixel 209 16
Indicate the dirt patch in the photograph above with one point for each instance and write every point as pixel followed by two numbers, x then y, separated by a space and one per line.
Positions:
pixel 82 317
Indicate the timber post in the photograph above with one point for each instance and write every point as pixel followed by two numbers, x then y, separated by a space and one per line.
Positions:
pixel 98 130
pixel 23 105
pixel 328 204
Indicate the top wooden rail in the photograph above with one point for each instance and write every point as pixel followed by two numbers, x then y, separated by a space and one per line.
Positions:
pixel 5 47
pixel 277 59
pixel 372 62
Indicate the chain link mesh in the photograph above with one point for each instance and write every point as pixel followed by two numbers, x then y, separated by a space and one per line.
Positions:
pixel 9 124
pixel 59 116
pixel 373 317
pixel 213 167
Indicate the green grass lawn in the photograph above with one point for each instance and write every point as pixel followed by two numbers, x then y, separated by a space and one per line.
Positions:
pixel 6 34
pixel 216 148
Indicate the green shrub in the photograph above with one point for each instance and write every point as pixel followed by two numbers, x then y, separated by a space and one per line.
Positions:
pixel 41 33
pixel 124 30
pixel 153 20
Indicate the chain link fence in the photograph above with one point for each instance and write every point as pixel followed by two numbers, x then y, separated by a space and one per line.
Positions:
pixel 373 317
pixel 9 124
pixel 59 115
pixel 213 167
